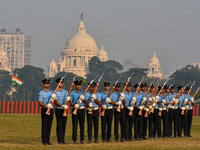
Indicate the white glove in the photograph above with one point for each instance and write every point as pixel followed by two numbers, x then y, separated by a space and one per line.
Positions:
pixel 90 104
pixel 154 104
pixel 94 96
pixel 82 97
pixel 173 100
pixel 150 99
pixel 154 98
pixel 131 108
pixel 164 101
pixel 65 106
pixel 141 107
pixel 108 100
pixel 134 99
pixel 144 98
pixel 146 109
pixel 160 109
pixel 183 108
pixel 80 101
pixel 192 99
pixel 133 102
pixel 187 107
pixel 122 95
pixel 143 102
pixel 186 100
pixel 53 96
pixel 68 98
pixel 177 101
pixel 150 106
pixel 49 105
pixel 119 103
pixel 104 106
pixel 157 97
pixel 76 105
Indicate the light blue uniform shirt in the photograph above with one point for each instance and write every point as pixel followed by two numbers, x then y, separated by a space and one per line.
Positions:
pixel 61 97
pixel 139 98
pixel 45 96
pixel 128 98
pixel 189 98
pixel 171 97
pixel 75 97
pixel 160 99
pixel 182 100
pixel 148 95
pixel 88 98
pixel 103 98
pixel 115 97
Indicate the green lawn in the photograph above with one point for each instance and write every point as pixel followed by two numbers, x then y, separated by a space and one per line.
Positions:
pixel 23 131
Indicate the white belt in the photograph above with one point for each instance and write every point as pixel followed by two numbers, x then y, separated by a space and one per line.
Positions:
pixel 81 107
pixel 164 108
pixel 190 108
pixel 59 108
pixel 109 107
pixel 121 107
pixel 95 108
pixel 156 108
pixel 175 107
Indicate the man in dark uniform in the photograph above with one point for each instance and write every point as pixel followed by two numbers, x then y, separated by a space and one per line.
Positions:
pixel 44 98
pixel 94 117
pixel 119 117
pixel 61 96
pixel 80 116
pixel 106 120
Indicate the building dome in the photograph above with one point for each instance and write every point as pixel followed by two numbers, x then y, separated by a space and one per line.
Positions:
pixel 81 39
pixel 154 59
pixel 53 63
pixel 102 54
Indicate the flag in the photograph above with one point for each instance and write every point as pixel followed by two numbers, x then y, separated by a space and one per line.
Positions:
pixel 82 81
pixel 17 81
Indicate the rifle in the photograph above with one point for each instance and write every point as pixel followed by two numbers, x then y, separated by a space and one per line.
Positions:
pixel 104 109
pixel 186 99
pixel 53 96
pixel 121 98
pixel 90 108
pixel 134 97
pixel 66 102
pixel 79 100
pixel 191 99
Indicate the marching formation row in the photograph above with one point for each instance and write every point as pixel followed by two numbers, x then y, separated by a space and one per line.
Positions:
pixel 150 104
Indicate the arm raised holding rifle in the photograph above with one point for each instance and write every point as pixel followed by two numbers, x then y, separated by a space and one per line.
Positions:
pixel 192 100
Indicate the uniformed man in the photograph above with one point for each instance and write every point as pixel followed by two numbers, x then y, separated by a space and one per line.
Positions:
pixel 138 120
pixel 44 98
pixel 181 118
pixel 173 112
pixel 119 117
pixel 189 114
pixel 106 120
pixel 94 117
pixel 128 119
pixel 80 116
pixel 61 96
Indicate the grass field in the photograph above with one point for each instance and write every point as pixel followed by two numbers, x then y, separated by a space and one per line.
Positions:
pixel 23 131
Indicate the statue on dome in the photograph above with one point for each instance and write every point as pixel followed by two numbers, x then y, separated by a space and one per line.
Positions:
pixel 82 16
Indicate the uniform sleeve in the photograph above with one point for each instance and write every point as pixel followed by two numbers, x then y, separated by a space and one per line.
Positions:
pixel 99 96
pixel 111 97
pixel 86 96
pixel 40 96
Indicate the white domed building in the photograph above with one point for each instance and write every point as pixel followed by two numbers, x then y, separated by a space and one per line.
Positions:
pixel 4 61
pixel 79 49
pixel 154 69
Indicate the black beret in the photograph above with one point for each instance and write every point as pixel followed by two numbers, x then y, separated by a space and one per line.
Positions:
pixel 179 87
pixel 118 84
pixel 136 85
pixel 77 82
pixel 187 88
pixel 143 85
pixel 152 86
pixel 129 84
pixel 93 84
pixel 172 87
pixel 159 87
pixel 58 80
pixel 166 87
pixel 106 83
pixel 46 81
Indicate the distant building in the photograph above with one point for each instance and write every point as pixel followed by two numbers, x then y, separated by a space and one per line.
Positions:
pixel 196 64
pixel 4 61
pixel 17 47
pixel 79 49
pixel 154 69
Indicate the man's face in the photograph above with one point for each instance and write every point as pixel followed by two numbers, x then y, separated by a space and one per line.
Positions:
pixel 166 90
pixel 46 85
pixel 144 89
pixel 78 87
pixel 151 90
pixel 137 88
pixel 92 88
pixel 106 88
pixel 117 89
pixel 172 90
pixel 128 88
pixel 186 91
pixel 161 91
pixel 61 85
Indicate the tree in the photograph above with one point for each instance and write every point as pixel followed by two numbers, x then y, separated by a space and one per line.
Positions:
pixel 5 84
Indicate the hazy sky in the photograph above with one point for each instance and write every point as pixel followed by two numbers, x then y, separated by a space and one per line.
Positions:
pixel 128 29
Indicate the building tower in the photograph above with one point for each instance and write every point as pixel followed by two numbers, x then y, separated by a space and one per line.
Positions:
pixel 53 68
pixel 4 62
pixel 102 54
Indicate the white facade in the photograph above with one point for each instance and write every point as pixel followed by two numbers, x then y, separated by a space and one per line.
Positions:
pixel 79 49
pixel 17 47
pixel 196 64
